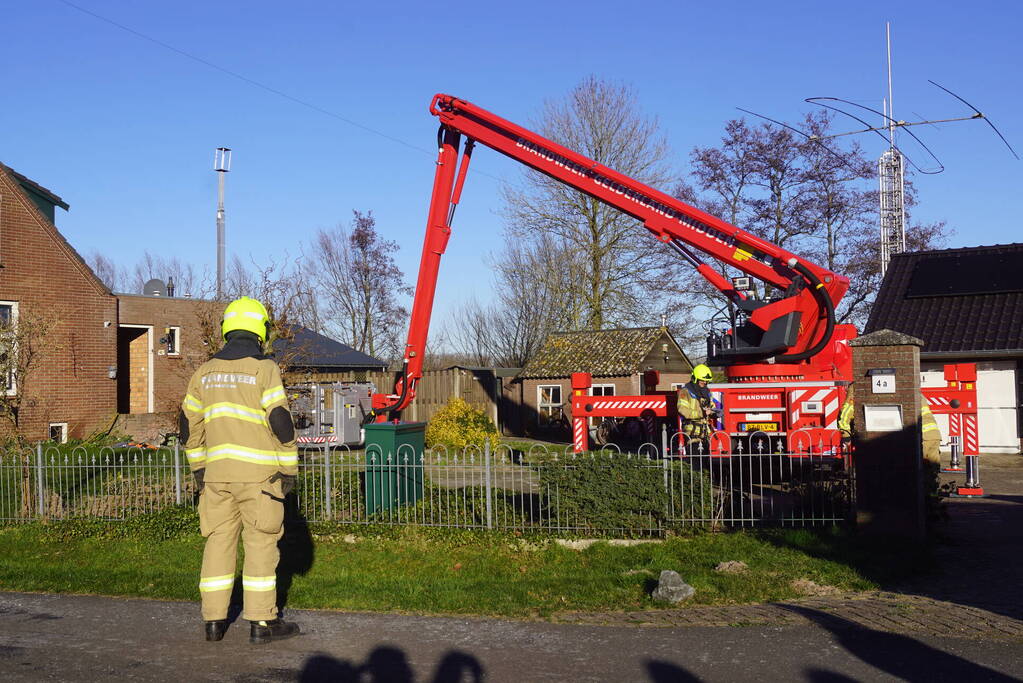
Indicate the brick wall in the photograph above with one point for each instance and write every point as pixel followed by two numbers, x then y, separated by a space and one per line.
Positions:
pixel 887 463
pixel 171 372
pixel 45 276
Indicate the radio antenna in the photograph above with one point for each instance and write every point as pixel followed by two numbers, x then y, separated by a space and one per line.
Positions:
pixel 891 173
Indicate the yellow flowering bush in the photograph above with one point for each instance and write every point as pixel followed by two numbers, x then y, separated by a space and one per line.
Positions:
pixel 458 425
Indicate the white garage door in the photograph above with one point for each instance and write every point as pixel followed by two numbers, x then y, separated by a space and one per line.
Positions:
pixel 996 403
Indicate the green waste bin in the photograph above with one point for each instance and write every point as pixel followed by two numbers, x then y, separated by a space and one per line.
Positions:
pixel 394 465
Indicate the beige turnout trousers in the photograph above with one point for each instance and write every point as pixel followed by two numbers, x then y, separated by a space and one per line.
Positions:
pixel 225 510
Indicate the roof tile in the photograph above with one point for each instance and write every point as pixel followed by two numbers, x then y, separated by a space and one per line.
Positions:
pixel 990 321
pixel 602 353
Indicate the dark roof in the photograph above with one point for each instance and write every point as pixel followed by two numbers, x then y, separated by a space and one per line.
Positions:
pixel 310 349
pixel 32 186
pixel 955 300
pixel 602 353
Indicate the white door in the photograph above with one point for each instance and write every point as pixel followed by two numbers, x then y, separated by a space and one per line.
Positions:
pixel 996 406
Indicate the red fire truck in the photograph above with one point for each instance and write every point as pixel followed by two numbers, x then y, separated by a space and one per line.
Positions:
pixel 787 360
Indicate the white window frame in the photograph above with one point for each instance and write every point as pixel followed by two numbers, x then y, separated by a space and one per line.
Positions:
pixel 545 419
pixel 175 332
pixel 12 380
pixel 594 421
pixel 63 431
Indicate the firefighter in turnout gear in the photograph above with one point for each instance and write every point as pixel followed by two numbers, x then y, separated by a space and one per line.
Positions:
pixel 240 443
pixel 695 408
pixel 845 417
pixel 930 441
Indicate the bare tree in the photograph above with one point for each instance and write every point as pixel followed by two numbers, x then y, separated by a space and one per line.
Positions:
pixel 111 274
pixel 26 339
pixel 810 196
pixel 186 277
pixel 284 287
pixel 601 121
pixel 361 285
pixel 535 285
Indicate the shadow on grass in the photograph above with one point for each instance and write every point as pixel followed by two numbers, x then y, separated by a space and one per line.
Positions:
pixel 298 552
pixel 887 562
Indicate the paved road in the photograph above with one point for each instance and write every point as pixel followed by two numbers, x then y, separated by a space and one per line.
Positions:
pixel 90 638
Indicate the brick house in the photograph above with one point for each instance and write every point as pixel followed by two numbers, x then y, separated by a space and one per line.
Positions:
pixel 967 306
pixel 616 359
pixel 45 283
pixel 109 361
pixel 161 340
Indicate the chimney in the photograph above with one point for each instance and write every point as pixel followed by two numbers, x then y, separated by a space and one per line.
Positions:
pixel 170 286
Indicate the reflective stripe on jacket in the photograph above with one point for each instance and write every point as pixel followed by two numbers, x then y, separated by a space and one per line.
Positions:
pixel 690 408
pixel 845 417
pixel 227 406
pixel 928 425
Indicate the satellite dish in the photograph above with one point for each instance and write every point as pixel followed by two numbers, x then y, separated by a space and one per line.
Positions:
pixel 154 287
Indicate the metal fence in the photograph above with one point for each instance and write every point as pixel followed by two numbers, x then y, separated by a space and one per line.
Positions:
pixel 650 491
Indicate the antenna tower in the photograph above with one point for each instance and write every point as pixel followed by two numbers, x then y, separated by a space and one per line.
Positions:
pixel 221 164
pixel 891 176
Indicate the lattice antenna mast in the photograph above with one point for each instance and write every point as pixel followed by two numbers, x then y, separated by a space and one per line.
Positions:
pixel 891 180
pixel 221 164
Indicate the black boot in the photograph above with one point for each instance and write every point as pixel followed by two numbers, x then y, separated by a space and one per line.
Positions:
pixel 215 630
pixel 278 629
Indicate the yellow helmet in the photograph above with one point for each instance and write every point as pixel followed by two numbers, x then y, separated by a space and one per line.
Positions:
pixel 702 372
pixel 246 314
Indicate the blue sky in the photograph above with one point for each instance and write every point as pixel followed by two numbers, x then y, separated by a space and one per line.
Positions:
pixel 124 129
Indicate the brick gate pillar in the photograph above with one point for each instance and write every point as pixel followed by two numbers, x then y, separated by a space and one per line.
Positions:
pixel 886 438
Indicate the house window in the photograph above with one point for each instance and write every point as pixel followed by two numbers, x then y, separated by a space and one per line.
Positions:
pixel 173 341
pixel 675 386
pixel 600 390
pixel 58 432
pixel 8 334
pixel 549 405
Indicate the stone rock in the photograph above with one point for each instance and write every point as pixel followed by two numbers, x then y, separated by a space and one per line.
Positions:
pixel 671 588
pixel 731 567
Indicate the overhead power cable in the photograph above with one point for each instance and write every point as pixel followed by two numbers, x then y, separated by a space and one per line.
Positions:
pixel 243 78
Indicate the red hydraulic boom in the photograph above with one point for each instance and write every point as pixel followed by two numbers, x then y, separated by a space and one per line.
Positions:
pixel 789 335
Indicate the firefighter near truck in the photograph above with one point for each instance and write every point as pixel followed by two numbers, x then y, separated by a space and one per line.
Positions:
pixel 787 361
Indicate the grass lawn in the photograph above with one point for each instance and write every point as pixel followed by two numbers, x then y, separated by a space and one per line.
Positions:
pixel 448 572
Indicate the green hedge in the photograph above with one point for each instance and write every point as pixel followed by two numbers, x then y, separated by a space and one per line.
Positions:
pixel 599 492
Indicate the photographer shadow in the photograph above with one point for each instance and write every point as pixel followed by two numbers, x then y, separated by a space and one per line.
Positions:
pixel 391 664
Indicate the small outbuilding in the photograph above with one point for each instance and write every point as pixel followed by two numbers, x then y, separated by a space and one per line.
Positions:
pixel 616 359
pixel 309 356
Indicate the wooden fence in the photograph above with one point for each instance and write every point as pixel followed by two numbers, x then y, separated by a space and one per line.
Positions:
pixel 479 388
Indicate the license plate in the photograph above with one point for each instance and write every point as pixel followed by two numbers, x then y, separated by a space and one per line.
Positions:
pixel 758 427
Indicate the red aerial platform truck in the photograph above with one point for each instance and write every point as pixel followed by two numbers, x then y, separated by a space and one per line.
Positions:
pixel 787 360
